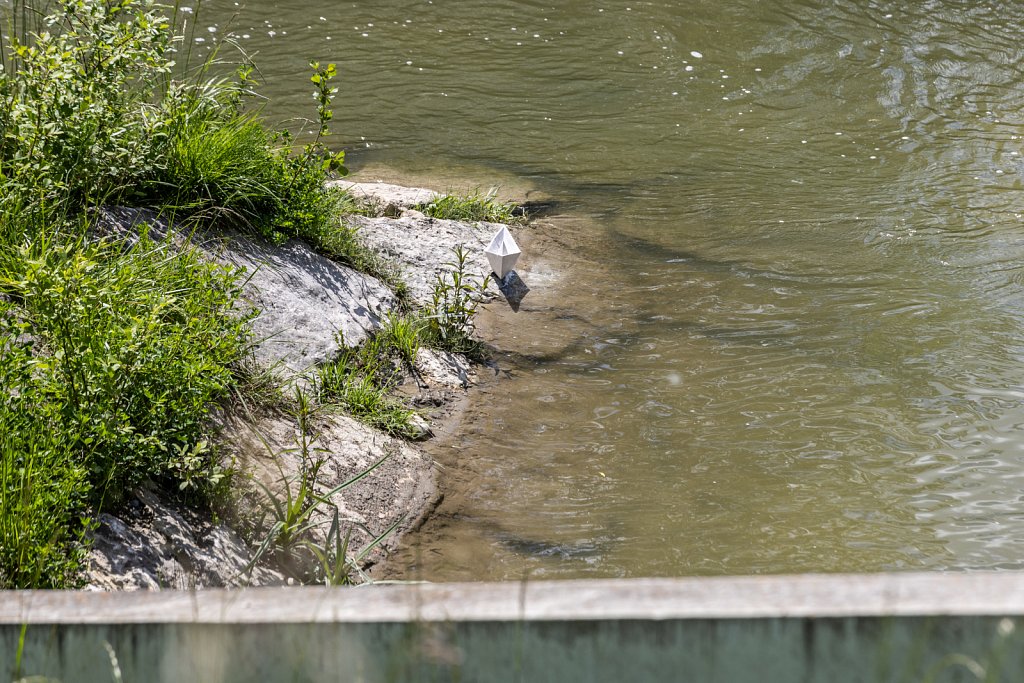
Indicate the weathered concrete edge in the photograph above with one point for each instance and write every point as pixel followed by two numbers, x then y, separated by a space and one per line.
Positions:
pixel 810 595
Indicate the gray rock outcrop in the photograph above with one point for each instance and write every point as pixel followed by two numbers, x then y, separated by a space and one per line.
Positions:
pixel 154 545
pixel 306 306
pixel 423 246
pixel 307 302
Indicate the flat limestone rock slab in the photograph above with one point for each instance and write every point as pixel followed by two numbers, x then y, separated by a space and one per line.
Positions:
pixel 308 304
pixel 305 301
pixel 385 196
pixel 444 368
pixel 422 246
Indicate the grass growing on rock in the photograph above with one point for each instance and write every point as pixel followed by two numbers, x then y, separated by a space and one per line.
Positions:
pixel 475 206
pixel 360 379
pixel 449 319
pixel 112 355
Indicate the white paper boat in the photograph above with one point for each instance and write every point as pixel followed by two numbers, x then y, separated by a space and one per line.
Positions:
pixel 502 253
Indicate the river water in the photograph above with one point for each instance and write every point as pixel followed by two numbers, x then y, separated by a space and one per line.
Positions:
pixel 788 337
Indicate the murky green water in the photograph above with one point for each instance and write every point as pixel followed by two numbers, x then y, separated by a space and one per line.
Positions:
pixel 793 334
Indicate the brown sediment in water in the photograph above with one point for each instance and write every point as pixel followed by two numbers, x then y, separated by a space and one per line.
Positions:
pixel 551 321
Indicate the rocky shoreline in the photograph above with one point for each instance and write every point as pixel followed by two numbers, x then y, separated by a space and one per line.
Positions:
pixel 307 304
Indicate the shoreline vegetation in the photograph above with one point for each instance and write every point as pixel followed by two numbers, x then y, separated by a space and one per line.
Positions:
pixel 118 352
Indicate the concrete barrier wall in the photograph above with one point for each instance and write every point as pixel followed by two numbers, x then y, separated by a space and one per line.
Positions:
pixel 904 627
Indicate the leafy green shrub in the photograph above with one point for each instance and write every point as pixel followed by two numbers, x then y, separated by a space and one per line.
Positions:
pixel 109 357
pixel 134 347
pixel 90 113
pixel 41 498
pixel 76 119
pixel 42 488
pixel 109 362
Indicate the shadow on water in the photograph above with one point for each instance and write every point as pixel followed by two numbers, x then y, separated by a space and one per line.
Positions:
pixel 550 549
pixel 514 289
pixel 543 208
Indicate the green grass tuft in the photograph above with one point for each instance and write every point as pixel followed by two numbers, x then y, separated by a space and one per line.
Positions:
pixel 402 335
pixel 472 207
pixel 358 382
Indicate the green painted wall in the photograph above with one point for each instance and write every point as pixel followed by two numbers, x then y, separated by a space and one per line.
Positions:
pixel 761 650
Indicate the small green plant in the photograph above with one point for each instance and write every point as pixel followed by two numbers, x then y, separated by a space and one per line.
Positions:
pixel 325 94
pixel 192 466
pixel 360 379
pixel 401 334
pixel 293 504
pixel 335 567
pixel 450 315
pixel 297 508
pixel 472 207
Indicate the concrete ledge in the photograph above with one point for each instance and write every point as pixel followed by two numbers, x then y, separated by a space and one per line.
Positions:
pixel 828 595
pixel 834 628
